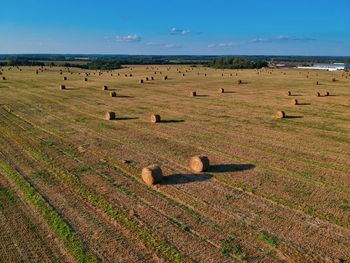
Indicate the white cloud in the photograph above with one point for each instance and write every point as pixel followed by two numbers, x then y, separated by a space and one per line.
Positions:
pixel 279 38
pixel 164 45
pixel 183 32
pixel 257 40
pixel 154 44
pixel 171 46
pixel 128 38
pixel 222 45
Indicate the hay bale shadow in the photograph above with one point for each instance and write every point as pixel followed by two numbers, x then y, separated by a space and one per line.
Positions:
pixel 202 95
pixel 171 121
pixel 293 117
pixel 225 168
pixel 126 118
pixel 124 96
pixel 185 178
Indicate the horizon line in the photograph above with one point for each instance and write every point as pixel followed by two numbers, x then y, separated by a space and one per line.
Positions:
pixel 159 55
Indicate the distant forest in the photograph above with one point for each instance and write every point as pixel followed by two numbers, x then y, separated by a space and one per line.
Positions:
pixel 237 63
pixel 109 62
pixel 94 65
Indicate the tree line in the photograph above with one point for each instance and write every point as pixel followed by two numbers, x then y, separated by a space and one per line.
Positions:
pixel 93 65
pixel 236 63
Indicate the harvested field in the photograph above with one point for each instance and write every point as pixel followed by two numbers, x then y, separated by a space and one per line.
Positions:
pixel 276 190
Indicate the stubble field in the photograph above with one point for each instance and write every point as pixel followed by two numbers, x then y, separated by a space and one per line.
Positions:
pixel 277 190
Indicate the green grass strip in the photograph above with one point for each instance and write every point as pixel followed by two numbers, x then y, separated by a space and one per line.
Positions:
pixel 70 240
pixel 160 246
pixel 151 240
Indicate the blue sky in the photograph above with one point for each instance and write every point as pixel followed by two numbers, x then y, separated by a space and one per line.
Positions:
pixel 192 27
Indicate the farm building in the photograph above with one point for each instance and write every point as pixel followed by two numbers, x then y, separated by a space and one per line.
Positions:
pixel 328 66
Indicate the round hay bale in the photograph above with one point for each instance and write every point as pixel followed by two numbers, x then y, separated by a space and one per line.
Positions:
pixel 141 81
pixel 199 163
pixel 3 78
pixel 64 78
pixel 130 75
pixel 294 102
pixel 318 94
pixel 221 90
pixel 193 94
pixel 289 93
pixel 113 94
pixel 109 115
pixel 85 79
pixel 152 78
pixel 327 93
pixel 334 79
pixel 155 118
pixel 104 88
pixel 280 114
pixel 147 79
pixel 317 83
pixel 62 87
pixel 152 174
pixel 239 81
pixel 165 77
pixel 183 74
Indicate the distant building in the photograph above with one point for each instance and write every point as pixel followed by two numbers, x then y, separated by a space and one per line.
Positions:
pixel 328 66
pixel 288 64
